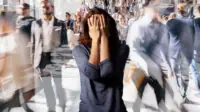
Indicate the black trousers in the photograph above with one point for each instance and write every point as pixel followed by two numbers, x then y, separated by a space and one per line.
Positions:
pixel 45 59
pixel 159 91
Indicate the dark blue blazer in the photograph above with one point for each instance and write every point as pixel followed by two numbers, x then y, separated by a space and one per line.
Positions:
pixel 181 33
pixel 102 86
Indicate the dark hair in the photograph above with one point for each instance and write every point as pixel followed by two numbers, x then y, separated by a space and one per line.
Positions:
pixel 67 13
pixel 146 3
pixel 111 26
pixel 26 6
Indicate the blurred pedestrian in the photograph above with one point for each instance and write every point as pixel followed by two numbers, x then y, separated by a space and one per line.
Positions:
pixel 193 91
pixel 16 76
pixel 68 21
pixel 122 28
pixel 147 38
pixel 181 32
pixel 24 20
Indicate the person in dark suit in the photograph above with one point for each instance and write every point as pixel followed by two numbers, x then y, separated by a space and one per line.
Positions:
pixel 46 35
pixel 101 60
pixel 181 43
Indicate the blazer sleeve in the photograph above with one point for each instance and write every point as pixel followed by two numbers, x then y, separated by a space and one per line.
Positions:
pixel 82 56
pixel 32 42
pixel 64 33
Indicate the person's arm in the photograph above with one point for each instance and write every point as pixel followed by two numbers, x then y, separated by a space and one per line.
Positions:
pixel 95 55
pixel 81 56
pixel 163 47
pixel 106 66
pixel 95 35
pixel 104 54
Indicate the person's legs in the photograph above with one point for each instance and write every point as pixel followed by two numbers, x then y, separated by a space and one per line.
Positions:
pixel 60 92
pixel 49 93
pixel 184 70
pixel 14 102
pixel 193 91
pixel 159 91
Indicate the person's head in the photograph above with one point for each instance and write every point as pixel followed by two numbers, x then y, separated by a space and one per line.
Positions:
pixel 44 3
pixel 67 16
pixel 197 11
pixel 164 15
pixel 24 9
pixel 172 16
pixel 181 9
pixel 46 9
pixel 111 29
pixel 5 23
pixel 151 9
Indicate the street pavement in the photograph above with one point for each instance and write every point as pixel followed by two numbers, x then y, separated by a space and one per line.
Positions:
pixel 66 66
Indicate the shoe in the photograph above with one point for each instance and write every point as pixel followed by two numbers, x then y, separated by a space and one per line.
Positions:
pixel 26 108
pixel 51 110
pixel 63 108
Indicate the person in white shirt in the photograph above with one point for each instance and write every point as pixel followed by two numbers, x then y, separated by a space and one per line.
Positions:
pixel 47 35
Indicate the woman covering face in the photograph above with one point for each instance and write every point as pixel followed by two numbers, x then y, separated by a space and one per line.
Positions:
pixel 101 59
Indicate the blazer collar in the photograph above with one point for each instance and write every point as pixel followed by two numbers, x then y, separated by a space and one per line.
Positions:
pixel 54 24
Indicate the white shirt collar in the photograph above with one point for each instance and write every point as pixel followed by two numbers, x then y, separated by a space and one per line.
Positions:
pixel 49 22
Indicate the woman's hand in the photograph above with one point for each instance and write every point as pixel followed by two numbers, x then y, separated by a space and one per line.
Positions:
pixel 93 24
pixel 103 28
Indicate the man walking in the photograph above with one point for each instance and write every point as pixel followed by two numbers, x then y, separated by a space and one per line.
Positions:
pixel 46 36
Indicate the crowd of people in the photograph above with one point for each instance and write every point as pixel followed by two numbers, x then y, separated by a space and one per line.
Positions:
pixel 161 43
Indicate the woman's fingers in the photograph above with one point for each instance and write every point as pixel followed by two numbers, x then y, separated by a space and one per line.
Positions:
pixel 97 20
pixel 92 20
pixel 89 23
pixel 103 21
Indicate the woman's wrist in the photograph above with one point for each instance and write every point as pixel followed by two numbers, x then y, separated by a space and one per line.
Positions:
pixel 96 41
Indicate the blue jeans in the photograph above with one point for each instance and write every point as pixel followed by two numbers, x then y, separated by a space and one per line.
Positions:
pixel 193 92
pixel 195 73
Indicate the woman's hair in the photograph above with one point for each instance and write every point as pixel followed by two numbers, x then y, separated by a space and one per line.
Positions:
pixel 113 38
